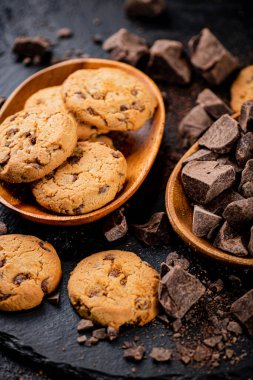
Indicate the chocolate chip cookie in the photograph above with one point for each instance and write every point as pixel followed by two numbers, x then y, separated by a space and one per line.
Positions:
pixel 242 88
pixel 108 98
pixel 29 269
pixel 113 288
pixel 33 143
pixel 88 180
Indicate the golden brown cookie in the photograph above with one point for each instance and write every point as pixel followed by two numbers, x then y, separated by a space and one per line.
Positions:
pixel 50 98
pixel 242 88
pixel 33 143
pixel 113 288
pixel 88 180
pixel 108 98
pixel 29 269
pixel 103 139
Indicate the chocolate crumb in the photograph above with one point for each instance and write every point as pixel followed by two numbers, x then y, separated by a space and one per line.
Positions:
pixel 84 324
pixel 134 353
pixel 64 32
pixel 112 333
pixel 160 354
pixel 54 299
pixel 99 334
pixel 82 339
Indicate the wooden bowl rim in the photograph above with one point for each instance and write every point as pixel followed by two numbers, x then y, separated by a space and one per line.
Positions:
pixel 70 220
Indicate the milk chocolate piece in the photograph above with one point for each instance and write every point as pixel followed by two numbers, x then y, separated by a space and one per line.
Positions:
pixel 212 104
pixel 54 299
pixel 201 155
pixel 195 122
pixel 243 310
pixel 144 8
pixel 160 354
pixel 211 58
pixel 116 226
pixel 218 204
pixel 246 185
pixel 204 180
pixel 155 232
pixel 127 47
pixel 204 222
pixel 244 149
pixel 221 136
pixel 178 291
pixel 134 353
pixel 168 62
pixel 228 240
pixel 239 212
pixel 246 116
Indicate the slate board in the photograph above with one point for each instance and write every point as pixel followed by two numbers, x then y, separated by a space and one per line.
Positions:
pixel 47 335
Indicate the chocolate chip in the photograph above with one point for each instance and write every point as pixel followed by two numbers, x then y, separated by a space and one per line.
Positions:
pixel 30 47
pixel 65 32
pixel 179 291
pixel 144 8
pixel 115 226
pixel 42 245
pixel 229 241
pixel 246 116
pixel 155 232
pixel 115 155
pixel 74 177
pixel 239 212
pixel 78 210
pixel 160 354
pixel 44 286
pixel 99 334
pixel 54 299
pixel 138 106
pixel 242 308
pixel 4 297
pixel 84 324
pixel 82 339
pixel 142 303
pixel 203 181
pixel 80 95
pixel 103 189
pixel 2 101
pixel 74 159
pixel 244 149
pixel 3 228
pixel 4 160
pixel 112 333
pixel 246 185
pixel 134 353
pixel 21 277
pixel 204 222
pixel 110 256
pixel 115 272
pixel 92 112
pixel 211 58
pixel 123 108
pixel 2 262
pixel 168 62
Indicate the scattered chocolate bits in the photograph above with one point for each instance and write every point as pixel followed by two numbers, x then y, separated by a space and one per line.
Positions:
pixel 32 49
pixel 174 259
pixel 112 333
pixel 65 32
pixel 160 354
pixel 155 232
pixel 243 310
pixel 212 104
pixel 115 226
pixel 134 353
pixel 84 324
pixel 127 47
pixel 211 58
pixel 234 327
pixel 54 299
pixel 99 334
pixel 204 222
pixel 168 62
pixel 82 339
pixel 3 228
pixel 144 8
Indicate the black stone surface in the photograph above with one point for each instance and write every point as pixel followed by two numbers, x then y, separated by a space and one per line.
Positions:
pixel 47 335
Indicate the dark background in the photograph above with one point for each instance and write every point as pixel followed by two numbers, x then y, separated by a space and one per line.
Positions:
pixel 230 20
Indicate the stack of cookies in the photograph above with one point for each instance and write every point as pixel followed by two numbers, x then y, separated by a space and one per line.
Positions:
pixel 55 143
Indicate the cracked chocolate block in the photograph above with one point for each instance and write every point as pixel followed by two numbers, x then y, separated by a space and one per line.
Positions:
pixel 228 240
pixel 221 136
pixel 244 149
pixel 210 57
pixel 246 116
pixel 179 291
pixel 246 185
pixel 218 204
pixel 243 310
pixel 204 180
pixel 239 212
pixel 168 62
pixel 127 47
pixel 195 122
pixel 204 222
pixel 144 8
pixel 250 245
pixel 212 104
pixel 201 155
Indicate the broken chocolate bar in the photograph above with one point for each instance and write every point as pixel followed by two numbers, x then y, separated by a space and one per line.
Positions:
pixel 246 116
pixel 116 226
pixel 127 47
pixel 204 222
pixel 211 58
pixel 221 136
pixel 246 185
pixel 155 232
pixel 243 310
pixel 228 240
pixel 144 8
pixel 201 155
pixel 179 291
pixel 168 62
pixel 212 104
pixel 204 180
pixel 244 149
pixel 239 212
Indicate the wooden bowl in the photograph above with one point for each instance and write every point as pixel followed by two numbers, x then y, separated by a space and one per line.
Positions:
pixel 144 146
pixel 180 214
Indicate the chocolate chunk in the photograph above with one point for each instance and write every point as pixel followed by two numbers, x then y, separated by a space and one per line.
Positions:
pixel 144 8
pixel 234 327
pixel 244 149
pixel 204 222
pixel 4 297
pixel 202 353
pixel 160 354
pixel 99 334
pixel 174 259
pixel 243 310
pixel 179 291
pixel 155 232
pixel 168 62
pixel 42 245
pixel 250 246
pixel 112 333
pixel 134 353
pixel 65 32
pixel 54 299
pixel 115 226
pixel 204 180
pixel 239 212
pixel 246 116
pixel 91 342
pixel 127 47
pixel 221 136
pixel 2 101
pixel 201 155
pixel 212 104
pixel 31 47
pixel 211 58
pixel 218 204
pixel 82 339
pixel 84 324
pixel 3 228
pixel 195 122
pixel 21 277
pixel 228 240
pixel 226 159
pixel 213 341
pixel 246 185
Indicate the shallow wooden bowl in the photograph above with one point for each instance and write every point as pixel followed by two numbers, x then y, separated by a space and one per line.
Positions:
pixel 140 156
pixel 180 215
